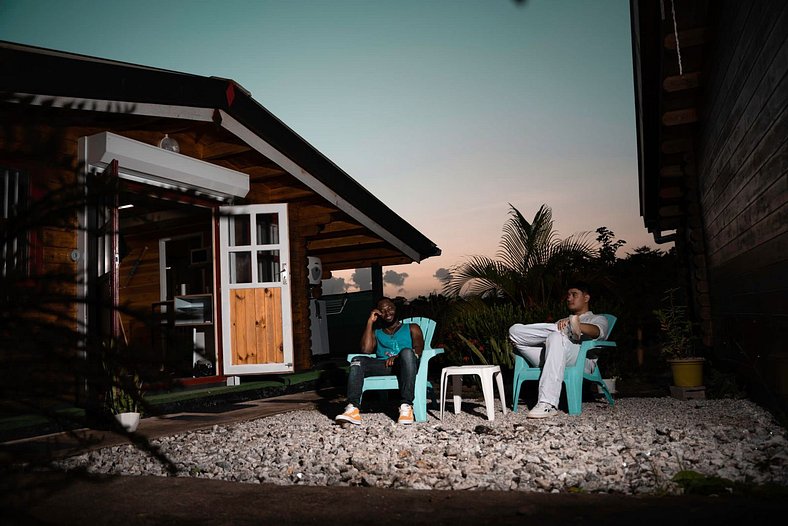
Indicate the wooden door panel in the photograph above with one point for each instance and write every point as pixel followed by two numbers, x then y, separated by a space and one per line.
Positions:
pixel 256 321
pixel 268 328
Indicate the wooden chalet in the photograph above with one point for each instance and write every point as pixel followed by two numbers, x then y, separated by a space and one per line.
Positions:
pixel 211 238
pixel 712 121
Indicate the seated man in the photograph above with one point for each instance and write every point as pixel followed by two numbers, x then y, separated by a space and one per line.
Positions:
pixel 553 346
pixel 397 349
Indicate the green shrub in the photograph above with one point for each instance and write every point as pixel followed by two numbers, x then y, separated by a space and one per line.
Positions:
pixel 477 331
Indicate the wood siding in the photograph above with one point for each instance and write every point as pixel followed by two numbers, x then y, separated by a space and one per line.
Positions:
pixel 256 325
pixel 743 182
pixel 300 229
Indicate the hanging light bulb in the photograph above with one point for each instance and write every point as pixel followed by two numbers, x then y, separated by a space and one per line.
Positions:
pixel 168 143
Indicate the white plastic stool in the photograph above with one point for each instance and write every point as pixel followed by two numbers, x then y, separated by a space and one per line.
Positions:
pixel 486 373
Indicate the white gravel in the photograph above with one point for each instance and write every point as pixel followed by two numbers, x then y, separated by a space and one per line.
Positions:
pixel 635 447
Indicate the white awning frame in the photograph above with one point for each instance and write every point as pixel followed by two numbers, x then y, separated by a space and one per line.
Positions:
pixel 138 161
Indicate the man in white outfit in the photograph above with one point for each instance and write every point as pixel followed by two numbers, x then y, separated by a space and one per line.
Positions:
pixel 553 346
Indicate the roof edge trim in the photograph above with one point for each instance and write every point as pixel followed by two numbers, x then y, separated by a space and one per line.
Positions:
pixel 255 141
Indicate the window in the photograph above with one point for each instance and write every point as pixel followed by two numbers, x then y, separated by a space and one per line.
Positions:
pixel 14 240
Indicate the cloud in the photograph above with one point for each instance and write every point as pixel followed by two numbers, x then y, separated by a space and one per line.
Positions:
pixel 394 278
pixel 442 274
pixel 362 277
pixel 335 286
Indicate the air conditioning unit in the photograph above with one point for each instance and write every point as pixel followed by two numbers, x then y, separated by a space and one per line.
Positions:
pixel 315 270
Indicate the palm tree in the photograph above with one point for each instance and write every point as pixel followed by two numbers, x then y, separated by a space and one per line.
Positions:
pixel 533 264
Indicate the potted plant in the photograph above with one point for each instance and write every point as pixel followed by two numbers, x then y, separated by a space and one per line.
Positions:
pixel 678 343
pixel 124 399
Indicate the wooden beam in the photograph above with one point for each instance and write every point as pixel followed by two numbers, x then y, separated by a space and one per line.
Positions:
pixel 676 145
pixel 687 38
pixel 310 213
pixel 670 211
pixel 671 192
pixel 365 248
pixel 342 242
pixel 355 231
pixel 669 223
pixel 688 81
pixel 293 193
pixel 265 171
pixel 347 264
pixel 678 117
pixel 221 150
pixel 673 170
pixel 340 226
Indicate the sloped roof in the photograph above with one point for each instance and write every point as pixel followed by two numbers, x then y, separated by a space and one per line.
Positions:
pixel 78 82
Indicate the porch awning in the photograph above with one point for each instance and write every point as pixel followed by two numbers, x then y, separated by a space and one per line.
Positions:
pixel 148 164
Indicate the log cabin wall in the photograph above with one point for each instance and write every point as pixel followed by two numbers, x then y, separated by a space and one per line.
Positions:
pixel 299 291
pixel 742 173
pixel 41 316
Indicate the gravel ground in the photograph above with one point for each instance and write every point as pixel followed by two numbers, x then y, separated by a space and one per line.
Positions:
pixel 635 447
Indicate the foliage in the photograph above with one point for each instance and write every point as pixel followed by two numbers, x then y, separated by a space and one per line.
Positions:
pixel 51 363
pixel 477 331
pixel 125 393
pixel 722 384
pixel 435 307
pixel 500 352
pixel 533 264
pixel 676 328
pixel 640 279
pixel 695 483
pixel 607 247
pixel 611 362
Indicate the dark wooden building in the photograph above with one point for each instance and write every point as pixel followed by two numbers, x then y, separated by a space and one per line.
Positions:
pixel 711 86
pixel 217 207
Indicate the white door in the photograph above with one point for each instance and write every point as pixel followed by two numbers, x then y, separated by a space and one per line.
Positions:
pixel 255 289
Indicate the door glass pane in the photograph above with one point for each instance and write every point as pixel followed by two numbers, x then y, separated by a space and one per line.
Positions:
pixel 240 267
pixel 239 234
pixel 268 266
pixel 267 229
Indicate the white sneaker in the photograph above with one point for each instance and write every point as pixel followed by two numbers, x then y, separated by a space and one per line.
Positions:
pixel 542 410
pixel 405 414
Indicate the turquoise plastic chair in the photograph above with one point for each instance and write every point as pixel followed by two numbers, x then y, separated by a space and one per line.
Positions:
pixel 385 383
pixel 573 374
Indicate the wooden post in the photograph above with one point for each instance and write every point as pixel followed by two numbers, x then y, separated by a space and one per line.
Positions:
pixel 377 281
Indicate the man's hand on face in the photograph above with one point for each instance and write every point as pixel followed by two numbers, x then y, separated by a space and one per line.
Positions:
pixel 374 315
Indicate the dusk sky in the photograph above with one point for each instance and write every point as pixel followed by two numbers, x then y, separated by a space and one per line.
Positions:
pixel 447 111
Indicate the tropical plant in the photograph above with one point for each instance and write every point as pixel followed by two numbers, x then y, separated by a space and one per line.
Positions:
pixel 533 264
pixel 125 393
pixel 608 247
pixel 500 352
pixel 676 328
pixel 477 330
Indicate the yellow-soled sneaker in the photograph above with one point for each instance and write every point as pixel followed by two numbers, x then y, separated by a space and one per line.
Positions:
pixel 351 415
pixel 405 414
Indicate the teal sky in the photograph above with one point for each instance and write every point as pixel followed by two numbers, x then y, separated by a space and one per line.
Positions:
pixel 445 110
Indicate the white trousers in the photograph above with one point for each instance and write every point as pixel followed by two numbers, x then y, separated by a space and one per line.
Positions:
pixel 543 345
